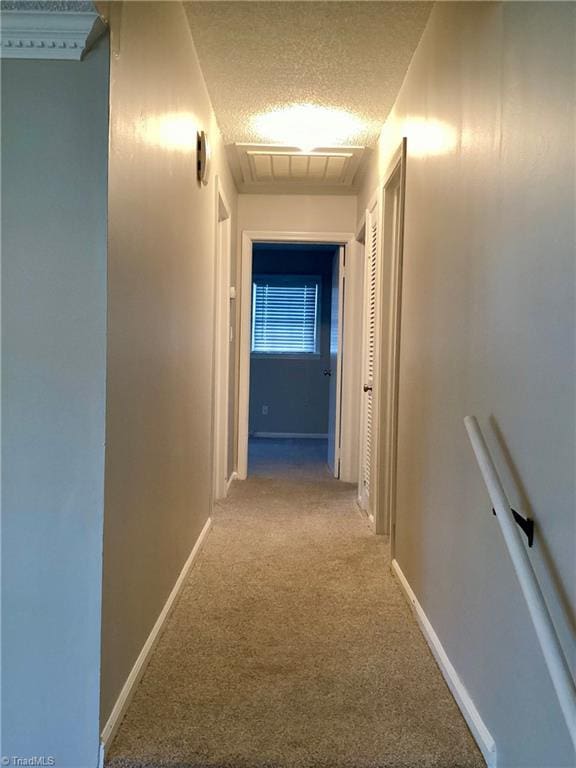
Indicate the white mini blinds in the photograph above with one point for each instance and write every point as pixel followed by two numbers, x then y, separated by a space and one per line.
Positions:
pixel 285 311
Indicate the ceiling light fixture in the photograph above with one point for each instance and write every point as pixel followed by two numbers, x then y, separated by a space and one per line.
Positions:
pixel 307 126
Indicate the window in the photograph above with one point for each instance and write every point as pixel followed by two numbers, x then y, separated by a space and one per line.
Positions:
pixel 285 314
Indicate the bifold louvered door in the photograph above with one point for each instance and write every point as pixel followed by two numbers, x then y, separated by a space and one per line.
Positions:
pixel 369 347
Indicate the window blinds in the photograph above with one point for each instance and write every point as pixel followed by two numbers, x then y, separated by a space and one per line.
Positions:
pixel 285 314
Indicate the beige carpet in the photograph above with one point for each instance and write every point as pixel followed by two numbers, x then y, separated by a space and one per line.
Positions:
pixel 292 645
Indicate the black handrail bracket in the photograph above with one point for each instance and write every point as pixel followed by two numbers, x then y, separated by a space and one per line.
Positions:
pixel 525 523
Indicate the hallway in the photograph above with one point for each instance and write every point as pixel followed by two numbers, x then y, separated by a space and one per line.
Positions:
pixel 249 248
pixel 292 644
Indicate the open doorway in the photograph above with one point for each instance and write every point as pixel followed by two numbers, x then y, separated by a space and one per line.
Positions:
pixel 294 390
pixel 330 431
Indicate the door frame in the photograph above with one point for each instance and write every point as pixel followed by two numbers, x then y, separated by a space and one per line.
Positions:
pixel 389 349
pixel 341 259
pixel 221 366
pixel 249 237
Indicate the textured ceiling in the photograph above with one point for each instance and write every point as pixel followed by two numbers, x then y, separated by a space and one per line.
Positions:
pixel 259 56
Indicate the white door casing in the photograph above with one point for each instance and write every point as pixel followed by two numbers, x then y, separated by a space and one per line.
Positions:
pixel 221 346
pixel 347 473
pixel 392 255
pixel 336 356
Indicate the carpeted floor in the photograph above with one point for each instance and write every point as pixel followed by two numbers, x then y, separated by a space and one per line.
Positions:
pixel 292 645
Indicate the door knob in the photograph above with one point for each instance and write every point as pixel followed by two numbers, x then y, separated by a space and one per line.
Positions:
pixel 327 372
pixel 367 388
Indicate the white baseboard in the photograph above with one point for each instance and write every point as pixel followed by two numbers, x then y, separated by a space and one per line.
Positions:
pixel 471 715
pixel 109 730
pixel 298 435
pixel 233 476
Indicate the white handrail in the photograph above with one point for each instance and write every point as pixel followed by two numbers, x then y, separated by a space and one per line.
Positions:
pixel 551 648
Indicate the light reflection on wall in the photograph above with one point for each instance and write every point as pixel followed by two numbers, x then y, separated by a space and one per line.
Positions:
pixel 429 137
pixel 174 131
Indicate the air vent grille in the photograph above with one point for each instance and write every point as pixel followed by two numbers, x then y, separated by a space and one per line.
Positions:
pixel 263 166
pixel 287 166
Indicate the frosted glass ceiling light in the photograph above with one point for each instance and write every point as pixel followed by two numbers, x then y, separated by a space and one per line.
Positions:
pixel 307 126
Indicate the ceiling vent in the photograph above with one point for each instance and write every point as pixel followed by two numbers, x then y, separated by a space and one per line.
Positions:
pixel 263 168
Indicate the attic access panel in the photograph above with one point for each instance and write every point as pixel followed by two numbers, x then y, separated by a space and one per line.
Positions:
pixel 265 165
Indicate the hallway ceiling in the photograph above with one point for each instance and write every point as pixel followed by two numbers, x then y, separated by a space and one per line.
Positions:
pixel 259 57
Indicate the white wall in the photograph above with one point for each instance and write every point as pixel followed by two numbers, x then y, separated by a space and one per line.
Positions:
pixel 488 328
pixel 54 188
pixel 297 213
pixel 161 321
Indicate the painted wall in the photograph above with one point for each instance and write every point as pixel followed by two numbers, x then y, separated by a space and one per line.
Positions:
pixel 295 390
pixel 161 319
pixel 488 328
pixel 297 213
pixel 54 188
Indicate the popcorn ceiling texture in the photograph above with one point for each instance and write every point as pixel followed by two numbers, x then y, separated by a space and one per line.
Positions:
pixel 258 56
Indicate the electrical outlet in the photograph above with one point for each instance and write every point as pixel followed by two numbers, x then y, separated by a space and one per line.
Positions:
pixel 264 410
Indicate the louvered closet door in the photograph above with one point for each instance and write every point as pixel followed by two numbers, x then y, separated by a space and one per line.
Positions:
pixel 369 359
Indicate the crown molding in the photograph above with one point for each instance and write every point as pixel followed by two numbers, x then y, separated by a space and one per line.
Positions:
pixel 48 34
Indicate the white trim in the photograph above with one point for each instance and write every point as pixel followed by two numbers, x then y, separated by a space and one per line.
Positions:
pixel 297 435
pixel 244 369
pixel 222 279
pixel 48 34
pixel 248 238
pixel 233 476
pixel 389 345
pixel 351 364
pixel 361 245
pixel 123 700
pixel 467 707
pixel 341 260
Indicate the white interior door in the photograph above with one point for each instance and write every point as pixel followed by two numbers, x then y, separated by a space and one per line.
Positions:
pixel 335 370
pixel 368 431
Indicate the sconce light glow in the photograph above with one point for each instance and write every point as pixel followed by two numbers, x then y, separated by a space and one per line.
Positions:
pixel 307 126
pixel 173 130
pixel 429 137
